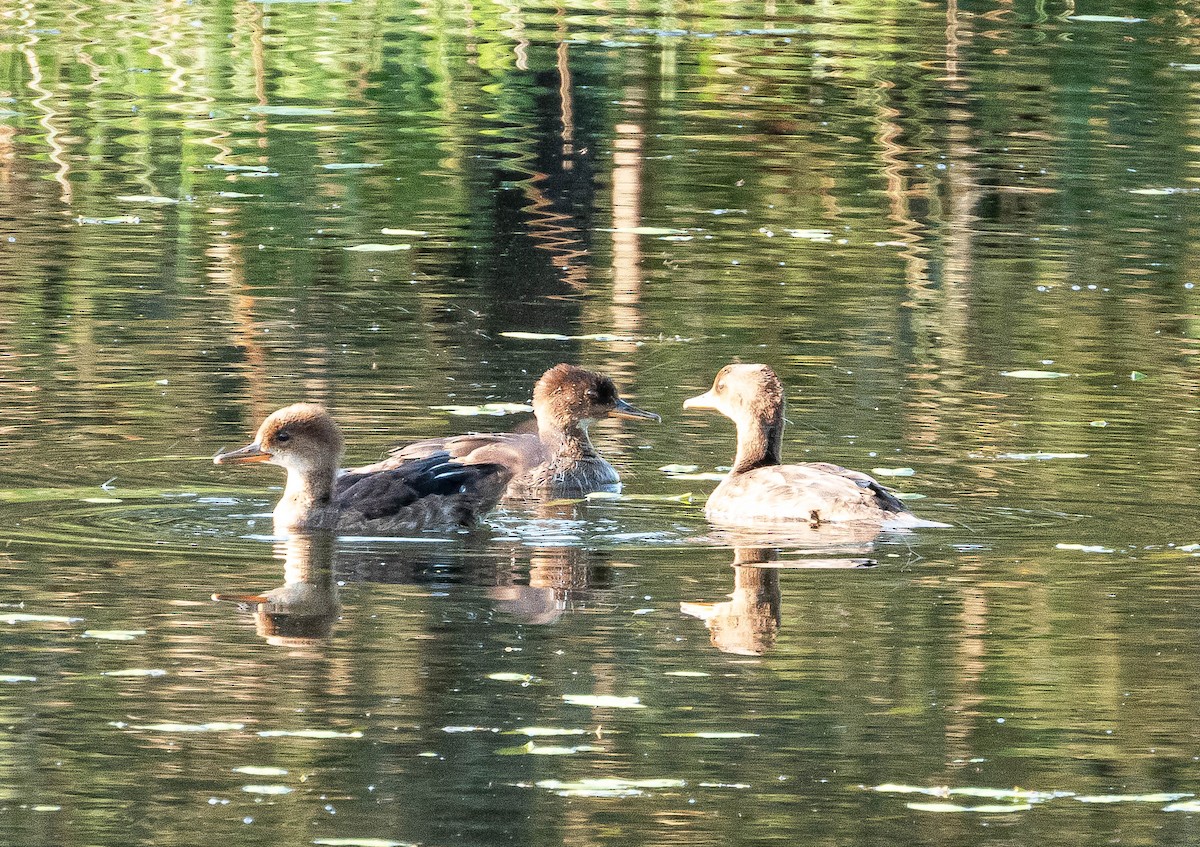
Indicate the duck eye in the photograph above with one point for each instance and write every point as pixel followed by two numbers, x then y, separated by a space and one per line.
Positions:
pixel 283 437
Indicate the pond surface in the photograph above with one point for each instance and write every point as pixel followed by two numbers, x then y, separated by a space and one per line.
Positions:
pixel 963 235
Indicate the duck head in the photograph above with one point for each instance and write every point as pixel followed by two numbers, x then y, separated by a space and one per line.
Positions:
pixel 742 391
pixel 303 438
pixel 752 396
pixel 566 397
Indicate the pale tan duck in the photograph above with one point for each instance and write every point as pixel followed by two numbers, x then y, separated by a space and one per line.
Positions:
pixel 556 460
pixel 760 488
pixel 436 492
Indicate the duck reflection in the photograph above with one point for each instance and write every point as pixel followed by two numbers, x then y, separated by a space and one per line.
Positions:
pixel 535 576
pixel 747 624
pixel 561 575
pixel 557 578
pixel 302 611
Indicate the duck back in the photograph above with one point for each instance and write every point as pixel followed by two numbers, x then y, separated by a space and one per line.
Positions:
pixel 815 492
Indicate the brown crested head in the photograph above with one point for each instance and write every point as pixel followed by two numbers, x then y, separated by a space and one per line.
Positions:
pixel 569 396
pixel 301 435
pixel 743 391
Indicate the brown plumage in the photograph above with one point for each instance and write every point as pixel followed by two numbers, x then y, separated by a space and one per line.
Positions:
pixel 433 493
pixel 559 458
pixel 760 488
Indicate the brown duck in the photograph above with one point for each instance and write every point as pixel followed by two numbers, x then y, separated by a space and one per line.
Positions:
pixel 435 492
pixel 558 459
pixel 760 488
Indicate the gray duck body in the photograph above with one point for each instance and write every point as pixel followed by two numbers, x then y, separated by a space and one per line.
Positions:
pixel 558 459
pixel 760 488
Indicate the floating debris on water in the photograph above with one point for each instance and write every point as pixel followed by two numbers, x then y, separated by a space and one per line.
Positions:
pixel 136 672
pixel 1163 191
pixel 147 198
pixel 86 220
pixel 24 617
pixel 556 336
pixel 453 729
pixel 544 731
pixel 239 169
pixel 818 235
pixel 893 471
pixel 1084 548
pixel 256 770
pixel 1025 457
pixel 309 733
pixel 607 787
pixel 1133 798
pixel 490 409
pixel 603 701
pixel 113 634
pixel 677 469
pixel 1105 19
pixel 215 726
pixel 378 248
pixel 267 789
pixel 1019 799
pixel 1031 374
pixel 504 676
pixel 654 498
pixel 643 230
pixel 532 749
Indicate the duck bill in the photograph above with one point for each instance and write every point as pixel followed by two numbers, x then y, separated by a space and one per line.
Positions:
pixel 242 456
pixel 240 598
pixel 703 401
pixel 625 410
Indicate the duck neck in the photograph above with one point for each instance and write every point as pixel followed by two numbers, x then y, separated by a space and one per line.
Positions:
pixel 760 441
pixel 307 489
pixel 569 441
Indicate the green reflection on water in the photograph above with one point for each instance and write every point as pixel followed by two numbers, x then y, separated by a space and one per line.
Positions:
pixel 899 207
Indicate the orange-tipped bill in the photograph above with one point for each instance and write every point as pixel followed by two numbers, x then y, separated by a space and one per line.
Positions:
pixel 702 401
pixel 625 410
pixel 241 598
pixel 243 455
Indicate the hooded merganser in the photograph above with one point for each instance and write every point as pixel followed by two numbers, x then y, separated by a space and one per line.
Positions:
pixel 760 488
pixel 436 492
pixel 559 458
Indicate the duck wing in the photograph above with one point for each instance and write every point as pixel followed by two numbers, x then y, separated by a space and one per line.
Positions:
pixel 888 501
pixel 465 490
pixel 517 451
pixel 817 492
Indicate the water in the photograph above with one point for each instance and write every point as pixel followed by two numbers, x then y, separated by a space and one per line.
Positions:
pixel 916 214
